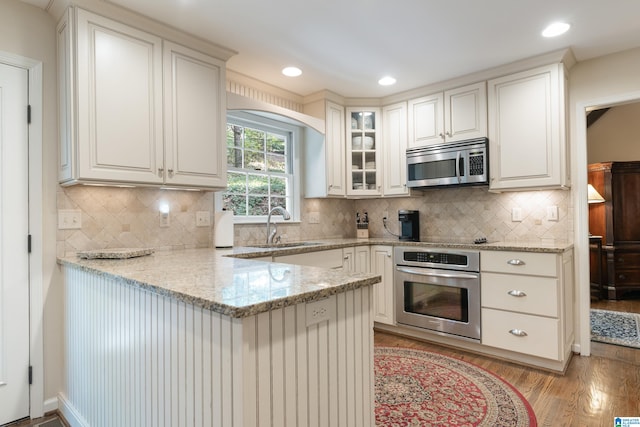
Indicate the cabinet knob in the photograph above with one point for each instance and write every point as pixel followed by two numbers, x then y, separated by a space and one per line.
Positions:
pixel 518 333
pixel 515 262
pixel 441 135
pixel 170 173
pixel 160 171
pixel 448 133
pixel 330 186
pixel 518 294
pixel 622 277
pixel 621 260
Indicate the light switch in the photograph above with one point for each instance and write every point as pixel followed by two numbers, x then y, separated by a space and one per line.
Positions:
pixel 552 213
pixel 69 219
pixel 516 214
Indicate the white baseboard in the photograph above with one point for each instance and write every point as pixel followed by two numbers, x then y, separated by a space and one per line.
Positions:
pixel 50 405
pixel 70 414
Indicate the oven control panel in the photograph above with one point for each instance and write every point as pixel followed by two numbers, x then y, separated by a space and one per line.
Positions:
pixel 438 258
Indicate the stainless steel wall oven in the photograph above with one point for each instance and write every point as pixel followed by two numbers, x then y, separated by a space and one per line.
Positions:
pixel 438 290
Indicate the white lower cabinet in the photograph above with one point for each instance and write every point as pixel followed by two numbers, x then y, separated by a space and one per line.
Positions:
pixel 383 303
pixel 527 301
pixel 332 258
pixel 356 259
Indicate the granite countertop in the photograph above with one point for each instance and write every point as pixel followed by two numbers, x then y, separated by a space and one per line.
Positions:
pixel 249 251
pixel 228 281
pixel 209 278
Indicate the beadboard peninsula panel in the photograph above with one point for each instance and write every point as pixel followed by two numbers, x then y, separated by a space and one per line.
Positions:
pixel 137 358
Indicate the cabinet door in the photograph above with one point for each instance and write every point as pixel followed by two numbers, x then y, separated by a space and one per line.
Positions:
pixel 362 259
pixel 195 118
pixel 465 112
pixel 363 152
pixel 382 264
pixel 348 260
pixel 334 140
pixel 394 148
pixel 119 106
pixel 426 120
pixel 526 133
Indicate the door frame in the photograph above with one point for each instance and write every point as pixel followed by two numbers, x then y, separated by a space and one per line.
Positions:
pixel 581 216
pixel 36 300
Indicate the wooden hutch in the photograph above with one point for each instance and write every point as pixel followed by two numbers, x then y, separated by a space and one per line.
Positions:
pixel 617 220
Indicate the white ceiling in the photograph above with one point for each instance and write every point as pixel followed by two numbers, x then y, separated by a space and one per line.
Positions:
pixel 346 45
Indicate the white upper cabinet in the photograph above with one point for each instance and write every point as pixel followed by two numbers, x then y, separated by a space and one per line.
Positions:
pixel 195 118
pixel 325 173
pixel 363 152
pixel 335 134
pixel 450 116
pixel 117 124
pixel 394 147
pixel 527 145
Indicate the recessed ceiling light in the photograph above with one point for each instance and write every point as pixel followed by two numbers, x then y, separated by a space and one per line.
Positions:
pixel 386 81
pixel 291 71
pixel 556 29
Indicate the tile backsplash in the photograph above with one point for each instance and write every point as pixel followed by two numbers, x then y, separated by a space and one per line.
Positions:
pixel 464 214
pixel 115 217
pixel 129 217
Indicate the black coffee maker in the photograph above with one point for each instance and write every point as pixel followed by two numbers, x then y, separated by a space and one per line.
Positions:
pixel 409 225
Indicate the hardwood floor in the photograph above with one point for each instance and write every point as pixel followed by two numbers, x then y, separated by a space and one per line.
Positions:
pixel 593 391
pixel 49 420
pixel 627 305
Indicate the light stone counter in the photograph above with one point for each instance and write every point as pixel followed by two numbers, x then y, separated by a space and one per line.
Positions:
pixel 230 286
pixel 324 244
pixel 227 281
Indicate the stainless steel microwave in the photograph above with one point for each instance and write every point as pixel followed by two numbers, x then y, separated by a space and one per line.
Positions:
pixel 456 163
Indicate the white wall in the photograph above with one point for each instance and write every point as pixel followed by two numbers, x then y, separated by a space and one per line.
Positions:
pixel 30 32
pixel 615 136
pixel 600 82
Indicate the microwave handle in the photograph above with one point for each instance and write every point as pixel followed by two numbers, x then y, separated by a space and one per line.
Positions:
pixel 458 166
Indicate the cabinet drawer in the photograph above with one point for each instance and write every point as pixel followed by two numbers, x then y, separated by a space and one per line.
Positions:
pixel 541 339
pixel 535 264
pixel 626 276
pixel 526 294
pixel 626 259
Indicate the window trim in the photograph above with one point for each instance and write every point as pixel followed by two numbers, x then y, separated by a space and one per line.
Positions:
pixel 249 119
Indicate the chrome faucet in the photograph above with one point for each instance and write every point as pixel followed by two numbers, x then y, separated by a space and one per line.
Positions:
pixel 270 235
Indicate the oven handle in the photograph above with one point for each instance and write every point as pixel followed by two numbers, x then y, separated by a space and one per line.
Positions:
pixel 429 272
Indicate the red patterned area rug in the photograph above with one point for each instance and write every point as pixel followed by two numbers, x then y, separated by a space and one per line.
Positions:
pixel 421 388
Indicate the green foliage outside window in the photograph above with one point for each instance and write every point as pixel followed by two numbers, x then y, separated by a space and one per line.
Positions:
pixel 257 171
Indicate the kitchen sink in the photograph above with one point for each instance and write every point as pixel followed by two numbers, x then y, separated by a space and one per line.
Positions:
pixel 285 245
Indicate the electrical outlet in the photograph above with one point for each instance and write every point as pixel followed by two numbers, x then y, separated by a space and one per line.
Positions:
pixel 314 217
pixel 69 219
pixel 318 311
pixel 516 214
pixel 203 219
pixel 552 213
pixel 164 219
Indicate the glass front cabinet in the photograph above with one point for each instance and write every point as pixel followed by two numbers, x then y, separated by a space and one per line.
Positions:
pixel 363 153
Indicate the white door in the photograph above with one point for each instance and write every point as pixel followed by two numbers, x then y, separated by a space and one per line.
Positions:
pixel 14 258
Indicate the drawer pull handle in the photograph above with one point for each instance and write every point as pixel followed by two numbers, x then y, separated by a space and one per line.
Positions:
pixel 515 262
pixel 518 332
pixel 515 293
